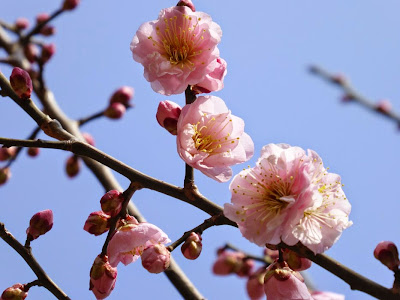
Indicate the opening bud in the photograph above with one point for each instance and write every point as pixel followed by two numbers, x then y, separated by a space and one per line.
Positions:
pixel 33 151
pixel 115 111
pixel 295 261
pixel 123 95
pixel 5 175
pixel 21 82
pixel 97 223
pixel 156 258
pixel 15 292
pixel 102 277
pixel 281 282
pixel 39 224
pixel 72 166
pixel 187 3
pixel 21 23
pixel 168 113
pixel 70 4
pixel 111 202
pixel 386 252
pixel 192 247
pixel 47 53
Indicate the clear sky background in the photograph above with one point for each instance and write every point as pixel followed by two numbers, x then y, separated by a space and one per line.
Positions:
pixel 268 46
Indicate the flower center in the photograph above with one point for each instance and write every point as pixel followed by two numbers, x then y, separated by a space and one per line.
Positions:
pixel 206 137
pixel 179 40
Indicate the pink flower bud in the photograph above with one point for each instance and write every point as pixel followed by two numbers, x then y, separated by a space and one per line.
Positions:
pixel 33 151
pixel 246 268
pixel 21 23
pixel 187 3
pixel 168 113
pixel 72 166
pixel 213 81
pixel 42 17
pixel 5 175
pixel 232 262
pixel 192 247
pixel 40 223
pixel 295 261
pixel 31 52
pixel 97 223
pixel 47 52
pixel 7 153
pixel 70 4
pixel 88 138
pixel 115 110
pixel 102 277
pixel 48 30
pixel 21 82
pixel 156 258
pixel 386 252
pixel 255 284
pixel 111 202
pixel 123 95
pixel 281 282
pixel 384 106
pixel 15 292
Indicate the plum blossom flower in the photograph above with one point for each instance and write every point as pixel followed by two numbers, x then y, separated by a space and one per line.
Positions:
pixel 102 277
pixel 289 197
pixel 282 283
pixel 178 49
pixel 131 239
pixel 211 139
pixel 156 258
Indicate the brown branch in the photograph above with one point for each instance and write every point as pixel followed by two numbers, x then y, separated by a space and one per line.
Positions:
pixel 26 254
pixel 352 94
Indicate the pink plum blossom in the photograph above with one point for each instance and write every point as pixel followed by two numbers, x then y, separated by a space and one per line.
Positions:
pixel 213 81
pixel 317 295
pixel 102 277
pixel 211 139
pixel 178 49
pixel 130 240
pixel 289 197
pixel 282 283
pixel 156 258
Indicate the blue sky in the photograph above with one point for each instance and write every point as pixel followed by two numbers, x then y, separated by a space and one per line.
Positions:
pixel 268 47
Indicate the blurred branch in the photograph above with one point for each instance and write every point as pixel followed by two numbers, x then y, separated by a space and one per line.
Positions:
pixel 26 254
pixel 351 94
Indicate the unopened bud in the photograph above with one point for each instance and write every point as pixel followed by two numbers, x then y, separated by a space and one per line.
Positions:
pixel 70 4
pixel 192 247
pixel 47 52
pixel 245 268
pixel 48 30
pixel 7 153
pixel 187 3
pixel 156 258
pixel 280 282
pixel 21 23
pixel 228 262
pixel 168 113
pixel 21 82
pixel 102 277
pixel 255 284
pixel 39 224
pixel 123 95
pixel 72 166
pixel 111 202
pixel 384 106
pixel 33 151
pixel 31 52
pixel 15 292
pixel 115 111
pixel 97 223
pixel 386 252
pixel 5 175
pixel 339 79
pixel 88 138
pixel 42 17
pixel 296 262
